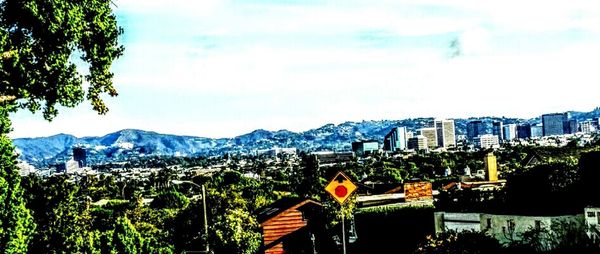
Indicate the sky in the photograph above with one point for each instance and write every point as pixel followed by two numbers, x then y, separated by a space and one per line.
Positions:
pixel 222 68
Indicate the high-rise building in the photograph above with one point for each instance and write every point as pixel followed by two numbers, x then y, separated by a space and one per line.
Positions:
pixel 536 131
pixel 486 141
pixel 446 136
pixel 395 140
pixel 555 124
pixel 474 129
pixel 524 131
pixel 497 130
pixel 510 131
pixel 365 147
pixel 431 135
pixel 491 166
pixel 417 143
pixel 573 128
pixel 587 126
pixel 80 156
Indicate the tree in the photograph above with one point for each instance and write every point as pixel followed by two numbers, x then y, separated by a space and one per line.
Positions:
pixel 38 42
pixel 232 227
pixel 306 180
pixel 170 199
pixel 16 222
pixel 61 217
pixel 126 239
pixel 467 242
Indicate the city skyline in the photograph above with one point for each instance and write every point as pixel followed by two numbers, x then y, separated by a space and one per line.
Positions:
pixel 225 68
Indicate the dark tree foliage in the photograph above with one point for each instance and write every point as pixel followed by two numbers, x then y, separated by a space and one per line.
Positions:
pixel 590 173
pixel 465 243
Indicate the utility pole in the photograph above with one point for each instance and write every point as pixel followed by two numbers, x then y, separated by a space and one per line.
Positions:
pixel 206 246
pixel 343 232
pixel 205 220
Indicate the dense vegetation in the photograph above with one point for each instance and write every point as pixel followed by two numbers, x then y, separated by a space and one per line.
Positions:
pixel 100 214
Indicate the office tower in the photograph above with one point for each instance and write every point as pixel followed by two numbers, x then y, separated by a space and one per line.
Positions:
pixel 365 147
pixel 474 129
pixel 491 167
pixel 431 135
pixel 524 131
pixel 510 132
pixel 572 126
pixel 395 140
pixel 536 131
pixel 497 130
pixel 446 136
pixel 417 143
pixel 555 124
pixel 80 156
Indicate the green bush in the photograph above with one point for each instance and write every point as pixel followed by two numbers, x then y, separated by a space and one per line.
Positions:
pixel 170 199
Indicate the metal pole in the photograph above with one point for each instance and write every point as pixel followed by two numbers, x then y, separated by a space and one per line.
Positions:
pixel 343 233
pixel 205 220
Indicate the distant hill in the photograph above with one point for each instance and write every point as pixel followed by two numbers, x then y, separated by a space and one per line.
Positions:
pixel 126 143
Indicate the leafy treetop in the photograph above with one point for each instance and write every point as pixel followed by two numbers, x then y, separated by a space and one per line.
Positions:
pixel 40 41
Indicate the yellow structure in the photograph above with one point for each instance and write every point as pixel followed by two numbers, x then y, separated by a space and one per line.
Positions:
pixel 491 166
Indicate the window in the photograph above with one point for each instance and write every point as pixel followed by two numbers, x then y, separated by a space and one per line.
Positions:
pixel 489 223
pixel 591 214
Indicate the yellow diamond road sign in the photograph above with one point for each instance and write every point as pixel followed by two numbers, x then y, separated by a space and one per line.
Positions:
pixel 341 188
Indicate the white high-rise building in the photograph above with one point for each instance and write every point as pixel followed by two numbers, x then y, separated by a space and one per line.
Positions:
pixel 431 135
pixel 395 140
pixel 587 126
pixel 446 136
pixel 510 131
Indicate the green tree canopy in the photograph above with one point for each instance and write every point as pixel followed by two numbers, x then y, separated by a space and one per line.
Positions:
pixel 40 41
pixel 16 222
pixel 170 199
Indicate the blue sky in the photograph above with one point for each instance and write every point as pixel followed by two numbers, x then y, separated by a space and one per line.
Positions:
pixel 221 68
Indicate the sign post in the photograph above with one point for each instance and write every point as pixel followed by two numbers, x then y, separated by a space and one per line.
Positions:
pixel 341 188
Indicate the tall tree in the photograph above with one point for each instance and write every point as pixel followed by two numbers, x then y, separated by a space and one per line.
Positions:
pixel 39 42
pixel 16 222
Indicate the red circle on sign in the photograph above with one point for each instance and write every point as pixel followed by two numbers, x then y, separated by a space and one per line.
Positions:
pixel 341 191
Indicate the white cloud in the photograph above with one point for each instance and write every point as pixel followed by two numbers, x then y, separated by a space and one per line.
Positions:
pixel 210 68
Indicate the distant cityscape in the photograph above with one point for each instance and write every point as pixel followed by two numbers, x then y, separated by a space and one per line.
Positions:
pixel 556 129
pixel 433 135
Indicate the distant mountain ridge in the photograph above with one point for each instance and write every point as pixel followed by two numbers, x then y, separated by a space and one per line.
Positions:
pixel 125 143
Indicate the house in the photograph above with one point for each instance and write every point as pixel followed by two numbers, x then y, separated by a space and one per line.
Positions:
pixel 286 224
pixel 504 228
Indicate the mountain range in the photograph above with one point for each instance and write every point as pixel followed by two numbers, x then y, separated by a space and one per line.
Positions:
pixel 123 144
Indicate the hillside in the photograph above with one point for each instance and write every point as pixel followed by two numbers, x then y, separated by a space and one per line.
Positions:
pixel 122 144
